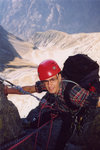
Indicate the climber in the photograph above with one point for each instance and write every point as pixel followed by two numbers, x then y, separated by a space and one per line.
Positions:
pixel 69 96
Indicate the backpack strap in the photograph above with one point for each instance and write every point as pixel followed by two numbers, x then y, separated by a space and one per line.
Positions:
pixel 70 85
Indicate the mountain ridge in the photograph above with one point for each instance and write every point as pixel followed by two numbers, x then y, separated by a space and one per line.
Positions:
pixel 23 18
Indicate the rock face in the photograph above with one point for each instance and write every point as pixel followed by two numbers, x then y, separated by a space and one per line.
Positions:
pixel 10 123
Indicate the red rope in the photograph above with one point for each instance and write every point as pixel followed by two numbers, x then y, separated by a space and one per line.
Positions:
pixel 28 136
pixel 53 116
pixel 37 132
pixel 51 125
pixel 20 142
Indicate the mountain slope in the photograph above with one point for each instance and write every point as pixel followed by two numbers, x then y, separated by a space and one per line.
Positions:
pixel 23 18
pixel 6 49
pixel 22 68
pixel 12 47
pixel 56 44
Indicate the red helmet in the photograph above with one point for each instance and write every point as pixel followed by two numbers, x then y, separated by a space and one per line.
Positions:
pixel 47 69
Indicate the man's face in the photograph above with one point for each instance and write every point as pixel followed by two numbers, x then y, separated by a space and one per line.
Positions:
pixel 52 84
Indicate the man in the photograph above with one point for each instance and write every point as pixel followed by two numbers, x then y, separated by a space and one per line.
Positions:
pixel 69 97
pixel 50 80
pixel 44 73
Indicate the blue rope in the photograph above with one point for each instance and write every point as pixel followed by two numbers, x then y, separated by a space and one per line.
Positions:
pixel 19 88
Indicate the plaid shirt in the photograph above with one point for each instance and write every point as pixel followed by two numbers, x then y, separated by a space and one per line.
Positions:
pixel 77 95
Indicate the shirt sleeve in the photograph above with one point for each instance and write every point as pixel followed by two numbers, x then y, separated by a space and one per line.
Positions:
pixel 40 87
pixel 80 97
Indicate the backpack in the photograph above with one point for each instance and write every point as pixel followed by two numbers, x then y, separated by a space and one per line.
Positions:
pixel 81 69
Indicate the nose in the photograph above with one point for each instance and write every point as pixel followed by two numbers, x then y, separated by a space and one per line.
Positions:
pixel 49 83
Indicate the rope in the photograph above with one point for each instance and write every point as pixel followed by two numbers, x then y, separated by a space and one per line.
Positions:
pixel 37 132
pixel 51 124
pixel 23 139
pixel 71 82
pixel 25 92
pixel 19 88
pixel 27 137
pixel 43 102
pixel 43 106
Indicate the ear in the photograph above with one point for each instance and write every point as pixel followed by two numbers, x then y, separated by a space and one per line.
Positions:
pixel 59 77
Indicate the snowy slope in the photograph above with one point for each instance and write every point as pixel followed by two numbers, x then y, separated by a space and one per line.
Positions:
pixel 22 69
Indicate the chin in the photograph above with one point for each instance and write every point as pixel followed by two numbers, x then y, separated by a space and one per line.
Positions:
pixel 52 92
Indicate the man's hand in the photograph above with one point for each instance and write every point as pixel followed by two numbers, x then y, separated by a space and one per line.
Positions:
pixel 98 104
